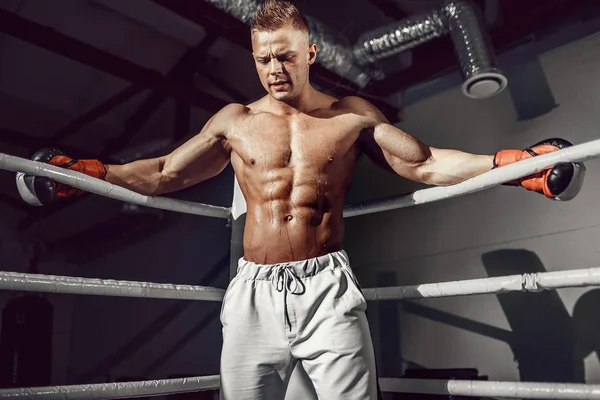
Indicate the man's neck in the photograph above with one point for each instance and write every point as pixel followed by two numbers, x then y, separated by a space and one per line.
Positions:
pixel 305 103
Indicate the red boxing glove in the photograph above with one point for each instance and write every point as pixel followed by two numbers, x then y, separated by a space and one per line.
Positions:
pixel 563 181
pixel 38 190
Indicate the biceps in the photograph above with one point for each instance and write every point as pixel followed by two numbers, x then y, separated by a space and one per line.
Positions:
pixel 397 151
pixel 199 159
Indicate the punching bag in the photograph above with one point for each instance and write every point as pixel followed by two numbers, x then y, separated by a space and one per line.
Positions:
pixel 26 342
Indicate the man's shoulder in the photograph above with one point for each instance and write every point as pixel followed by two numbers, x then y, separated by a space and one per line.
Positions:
pixel 361 107
pixel 222 122
pixel 236 115
pixel 352 103
pixel 233 110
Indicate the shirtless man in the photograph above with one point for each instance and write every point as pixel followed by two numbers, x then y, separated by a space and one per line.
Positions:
pixel 294 152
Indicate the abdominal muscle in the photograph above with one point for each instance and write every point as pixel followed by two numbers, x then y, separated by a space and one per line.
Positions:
pixel 293 216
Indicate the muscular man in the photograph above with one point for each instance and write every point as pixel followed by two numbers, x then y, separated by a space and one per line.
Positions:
pixel 294 151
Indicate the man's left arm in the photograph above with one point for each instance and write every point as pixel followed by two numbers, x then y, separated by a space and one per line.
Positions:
pixel 397 151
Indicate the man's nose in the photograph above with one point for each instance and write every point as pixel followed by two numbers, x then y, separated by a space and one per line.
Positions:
pixel 275 67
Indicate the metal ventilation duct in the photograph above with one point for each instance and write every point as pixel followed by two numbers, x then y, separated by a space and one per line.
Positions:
pixel 457 18
pixel 334 54
pixel 244 10
pixel 398 37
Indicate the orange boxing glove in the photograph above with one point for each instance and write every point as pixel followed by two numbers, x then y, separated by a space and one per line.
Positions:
pixel 562 181
pixel 38 190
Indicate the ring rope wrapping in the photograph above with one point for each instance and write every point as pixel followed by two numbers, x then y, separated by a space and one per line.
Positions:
pixel 519 390
pixel 536 282
pixel 98 186
pixel 106 287
pixel 119 390
pixel 513 390
pixel 495 177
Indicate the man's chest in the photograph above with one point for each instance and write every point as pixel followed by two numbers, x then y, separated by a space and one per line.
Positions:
pixel 279 142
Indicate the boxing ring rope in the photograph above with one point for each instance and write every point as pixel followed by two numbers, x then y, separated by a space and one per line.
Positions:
pixel 106 287
pixel 98 186
pixel 519 390
pixel 580 152
pixel 525 390
pixel 119 390
pixel 536 282
pixel 526 282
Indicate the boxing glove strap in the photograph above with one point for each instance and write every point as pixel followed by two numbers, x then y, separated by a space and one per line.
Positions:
pixel 505 157
pixel 69 164
pixel 89 167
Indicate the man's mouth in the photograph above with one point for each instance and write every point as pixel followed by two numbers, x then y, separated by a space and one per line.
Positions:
pixel 279 84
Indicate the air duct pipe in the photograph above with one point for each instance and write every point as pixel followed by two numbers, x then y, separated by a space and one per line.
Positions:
pixel 459 19
pixel 334 54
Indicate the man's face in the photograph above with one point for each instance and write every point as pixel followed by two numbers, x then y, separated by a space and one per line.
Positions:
pixel 282 59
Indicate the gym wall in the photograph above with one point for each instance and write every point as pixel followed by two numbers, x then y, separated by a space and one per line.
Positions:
pixel 549 336
pixel 116 337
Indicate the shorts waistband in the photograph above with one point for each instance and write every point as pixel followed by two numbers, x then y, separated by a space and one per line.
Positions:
pixel 302 269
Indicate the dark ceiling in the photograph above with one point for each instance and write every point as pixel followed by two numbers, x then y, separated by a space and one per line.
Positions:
pixel 510 23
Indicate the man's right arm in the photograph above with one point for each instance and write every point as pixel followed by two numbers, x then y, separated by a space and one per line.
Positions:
pixel 200 158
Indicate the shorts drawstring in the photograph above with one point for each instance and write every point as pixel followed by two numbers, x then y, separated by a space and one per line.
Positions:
pixel 282 280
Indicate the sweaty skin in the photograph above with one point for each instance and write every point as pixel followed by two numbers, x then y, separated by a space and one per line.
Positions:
pixel 294 152
pixel 294 171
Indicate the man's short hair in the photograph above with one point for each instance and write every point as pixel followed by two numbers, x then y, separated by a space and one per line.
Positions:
pixel 276 14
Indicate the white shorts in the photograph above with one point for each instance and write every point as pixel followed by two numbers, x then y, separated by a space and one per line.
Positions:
pixel 310 311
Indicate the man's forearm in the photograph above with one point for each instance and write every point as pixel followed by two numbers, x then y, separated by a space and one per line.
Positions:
pixel 448 167
pixel 142 176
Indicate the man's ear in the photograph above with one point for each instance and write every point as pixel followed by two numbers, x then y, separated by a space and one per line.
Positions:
pixel 312 54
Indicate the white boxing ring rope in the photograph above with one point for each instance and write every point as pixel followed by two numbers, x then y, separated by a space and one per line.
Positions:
pixel 98 186
pixel 580 152
pixel 518 390
pixel 526 282
pixel 106 287
pixel 109 287
pixel 119 390
pixel 536 282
